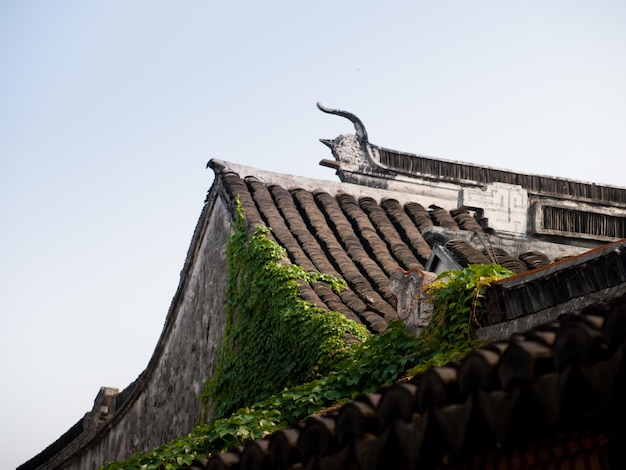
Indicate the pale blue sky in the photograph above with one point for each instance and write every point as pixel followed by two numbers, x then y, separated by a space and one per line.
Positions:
pixel 109 111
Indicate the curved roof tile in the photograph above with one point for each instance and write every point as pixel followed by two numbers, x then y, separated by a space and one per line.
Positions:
pixel 358 238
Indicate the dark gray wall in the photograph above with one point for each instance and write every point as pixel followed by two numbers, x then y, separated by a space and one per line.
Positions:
pixel 163 403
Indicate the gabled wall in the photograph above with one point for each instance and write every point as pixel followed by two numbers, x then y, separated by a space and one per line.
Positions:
pixel 163 403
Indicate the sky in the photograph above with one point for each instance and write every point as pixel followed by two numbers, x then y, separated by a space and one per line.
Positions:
pixel 110 110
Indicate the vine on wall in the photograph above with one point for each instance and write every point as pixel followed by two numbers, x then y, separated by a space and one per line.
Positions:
pixel 456 297
pixel 274 338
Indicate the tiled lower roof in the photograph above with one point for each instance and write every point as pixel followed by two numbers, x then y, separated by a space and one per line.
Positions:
pixel 575 277
pixel 550 398
pixel 356 237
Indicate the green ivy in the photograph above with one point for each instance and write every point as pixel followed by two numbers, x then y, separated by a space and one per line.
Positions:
pixel 457 308
pixel 274 338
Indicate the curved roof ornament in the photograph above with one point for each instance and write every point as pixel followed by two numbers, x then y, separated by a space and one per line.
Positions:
pixel 347 153
pixel 359 127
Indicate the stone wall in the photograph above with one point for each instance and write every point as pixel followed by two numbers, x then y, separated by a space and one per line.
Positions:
pixel 163 402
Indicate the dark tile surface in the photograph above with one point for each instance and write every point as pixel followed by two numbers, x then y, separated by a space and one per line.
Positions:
pixel 549 398
pixel 361 240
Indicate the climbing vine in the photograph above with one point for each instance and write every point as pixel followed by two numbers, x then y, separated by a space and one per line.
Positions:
pixel 274 338
pixel 273 333
pixel 457 307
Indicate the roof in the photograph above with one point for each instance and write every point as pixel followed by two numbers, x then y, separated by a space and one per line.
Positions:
pixel 336 229
pixel 597 270
pixel 551 396
pixel 442 170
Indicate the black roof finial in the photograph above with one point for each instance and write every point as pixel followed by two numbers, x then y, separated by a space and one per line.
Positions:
pixel 361 133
